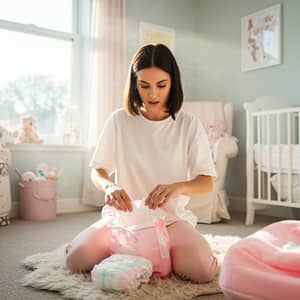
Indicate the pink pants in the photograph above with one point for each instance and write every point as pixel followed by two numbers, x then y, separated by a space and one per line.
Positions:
pixel 191 255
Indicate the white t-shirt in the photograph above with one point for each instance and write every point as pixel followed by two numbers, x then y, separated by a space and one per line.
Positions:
pixel 145 153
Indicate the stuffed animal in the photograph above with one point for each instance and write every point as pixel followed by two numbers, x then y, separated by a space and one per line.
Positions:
pixel 28 133
pixel 28 176
pixel 7 136
pixel 215 130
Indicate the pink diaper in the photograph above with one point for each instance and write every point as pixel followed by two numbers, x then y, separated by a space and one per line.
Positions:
pixel 151 242
pixel 265 265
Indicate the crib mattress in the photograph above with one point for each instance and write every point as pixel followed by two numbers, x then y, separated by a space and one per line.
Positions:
pixel 279 155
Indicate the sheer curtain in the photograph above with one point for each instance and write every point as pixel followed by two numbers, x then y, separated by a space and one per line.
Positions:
pixel 106 78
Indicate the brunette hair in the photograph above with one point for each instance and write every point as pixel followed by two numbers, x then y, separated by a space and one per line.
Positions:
pixel 153 56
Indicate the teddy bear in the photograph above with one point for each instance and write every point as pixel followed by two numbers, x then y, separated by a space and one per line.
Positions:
pixel 28 133
pixel 215 130
pixel 7 136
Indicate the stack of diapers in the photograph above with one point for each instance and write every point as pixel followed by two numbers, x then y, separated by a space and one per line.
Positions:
pixel 121 272
pixel 264 265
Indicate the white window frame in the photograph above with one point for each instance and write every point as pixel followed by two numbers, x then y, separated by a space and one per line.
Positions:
pixel 74 37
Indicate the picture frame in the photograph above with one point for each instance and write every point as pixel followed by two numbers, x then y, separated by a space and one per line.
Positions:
pixel 261 39
pixel 156 34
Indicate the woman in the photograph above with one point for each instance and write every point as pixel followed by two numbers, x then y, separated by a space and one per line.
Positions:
pixel 158 153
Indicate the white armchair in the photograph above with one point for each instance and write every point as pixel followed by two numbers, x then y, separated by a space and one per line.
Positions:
pixel 212 207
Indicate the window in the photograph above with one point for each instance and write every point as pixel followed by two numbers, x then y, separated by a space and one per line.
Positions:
pixel 39 63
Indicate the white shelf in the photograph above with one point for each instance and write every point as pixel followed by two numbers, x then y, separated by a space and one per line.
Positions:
pixel 46 147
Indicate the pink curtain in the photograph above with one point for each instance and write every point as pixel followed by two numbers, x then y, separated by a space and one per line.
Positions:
pixel 107 78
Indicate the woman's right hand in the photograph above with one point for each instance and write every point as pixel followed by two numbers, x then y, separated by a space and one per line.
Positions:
pixel 117 197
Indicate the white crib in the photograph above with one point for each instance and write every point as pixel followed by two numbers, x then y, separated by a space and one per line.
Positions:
pixel 273 155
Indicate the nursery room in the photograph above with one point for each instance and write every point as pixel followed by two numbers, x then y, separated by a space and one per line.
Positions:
pixel 206 92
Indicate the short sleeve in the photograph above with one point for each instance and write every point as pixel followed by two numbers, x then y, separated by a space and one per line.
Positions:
pixel 104 156
pixel 200 160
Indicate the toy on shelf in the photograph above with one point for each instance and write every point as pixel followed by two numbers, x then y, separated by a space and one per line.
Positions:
pixel 7 136
pixel 28 132
pixel 69 119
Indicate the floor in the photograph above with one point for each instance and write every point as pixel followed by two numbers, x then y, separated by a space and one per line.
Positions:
pixel 23 238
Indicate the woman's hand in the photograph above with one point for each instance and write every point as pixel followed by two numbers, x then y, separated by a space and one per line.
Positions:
pixel 115 196
pixel 163 193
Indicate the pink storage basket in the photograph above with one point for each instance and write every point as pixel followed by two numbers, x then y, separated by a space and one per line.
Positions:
pixel 38 200
pixel 151 242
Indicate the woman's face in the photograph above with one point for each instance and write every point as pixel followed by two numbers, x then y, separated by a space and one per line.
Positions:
pixel 154 87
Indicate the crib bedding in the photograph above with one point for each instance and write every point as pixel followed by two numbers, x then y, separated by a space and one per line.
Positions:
pixel 282 151
pixel 284 186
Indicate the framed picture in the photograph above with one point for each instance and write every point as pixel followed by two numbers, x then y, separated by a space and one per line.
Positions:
pixel 155 34
pixel 261 39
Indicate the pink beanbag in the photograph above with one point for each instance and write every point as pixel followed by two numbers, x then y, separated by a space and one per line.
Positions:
pixel 265 265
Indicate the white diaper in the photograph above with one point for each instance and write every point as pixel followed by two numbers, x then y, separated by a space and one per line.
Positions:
pixel 140 214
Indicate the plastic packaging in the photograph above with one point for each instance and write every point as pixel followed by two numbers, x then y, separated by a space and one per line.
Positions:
pixel 121 272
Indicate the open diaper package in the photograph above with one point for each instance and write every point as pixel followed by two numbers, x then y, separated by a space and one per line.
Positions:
pixel 140 246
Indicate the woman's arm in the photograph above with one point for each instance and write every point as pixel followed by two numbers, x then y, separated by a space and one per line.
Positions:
pixel 162 193
pixel 101 179
pixel 199 185
pixel 114 195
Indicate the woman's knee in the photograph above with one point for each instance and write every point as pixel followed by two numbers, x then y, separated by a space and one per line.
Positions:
pixel 70 261
pixel 73 261
pixel 196 267
pixel 88 248
pixel 204 275
pixel 82 258
pixel 206 270
pixel 71 266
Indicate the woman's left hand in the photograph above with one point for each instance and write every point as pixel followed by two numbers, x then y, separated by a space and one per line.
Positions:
pixel 163 193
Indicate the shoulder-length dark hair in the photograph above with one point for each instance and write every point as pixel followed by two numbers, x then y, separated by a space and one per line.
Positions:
pixel 153 56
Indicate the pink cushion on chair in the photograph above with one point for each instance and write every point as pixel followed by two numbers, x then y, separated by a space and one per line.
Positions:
pixel 211 114
pixel 265 265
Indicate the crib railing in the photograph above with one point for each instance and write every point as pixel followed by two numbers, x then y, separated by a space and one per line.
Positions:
pixel 273 140
pixel 273 131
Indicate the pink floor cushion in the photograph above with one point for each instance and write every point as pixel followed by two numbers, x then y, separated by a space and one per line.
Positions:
pixel 265 265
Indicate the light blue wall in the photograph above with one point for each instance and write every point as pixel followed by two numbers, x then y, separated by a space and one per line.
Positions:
pixel 219 64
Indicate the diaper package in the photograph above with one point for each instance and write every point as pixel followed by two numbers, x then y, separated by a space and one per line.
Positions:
pixel 143 233
pixel 121 272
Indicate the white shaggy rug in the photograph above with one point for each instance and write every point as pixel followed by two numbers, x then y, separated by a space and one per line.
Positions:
pixel 48 273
